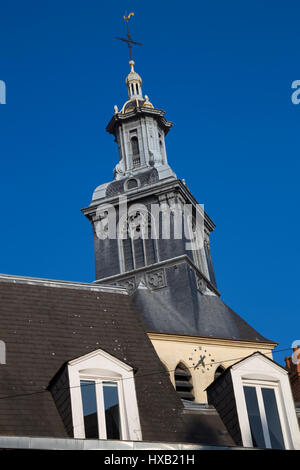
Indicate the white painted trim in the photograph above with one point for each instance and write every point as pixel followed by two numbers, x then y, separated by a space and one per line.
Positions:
pixel 100 366
pixel 259 370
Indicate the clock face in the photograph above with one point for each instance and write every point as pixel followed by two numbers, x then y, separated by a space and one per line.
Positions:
pixel 201 359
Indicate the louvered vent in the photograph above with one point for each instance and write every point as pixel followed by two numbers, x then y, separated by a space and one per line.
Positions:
pixel 183 383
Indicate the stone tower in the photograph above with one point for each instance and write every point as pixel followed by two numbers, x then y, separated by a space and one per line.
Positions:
pixel 160 250
pixel 143 176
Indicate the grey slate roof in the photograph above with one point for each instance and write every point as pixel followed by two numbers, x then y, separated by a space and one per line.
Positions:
pixel 181 309
pixel 116 188
pixel 46 324
pixel 205 426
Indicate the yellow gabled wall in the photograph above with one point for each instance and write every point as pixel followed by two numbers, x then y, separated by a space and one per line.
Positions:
pixel 173 349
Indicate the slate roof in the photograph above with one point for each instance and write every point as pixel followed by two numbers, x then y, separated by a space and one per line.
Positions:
pixel 180 313
pixel 46 324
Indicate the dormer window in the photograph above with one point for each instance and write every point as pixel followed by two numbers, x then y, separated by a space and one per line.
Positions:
pixel 103 398
pixel 263 415
pixel 101 409
pixel 254 400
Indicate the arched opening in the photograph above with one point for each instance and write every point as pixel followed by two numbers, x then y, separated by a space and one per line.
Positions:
pixel 218 372
pixel 131 184
pixel 183 383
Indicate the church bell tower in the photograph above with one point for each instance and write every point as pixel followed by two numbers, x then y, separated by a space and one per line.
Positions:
pixel 171 282
pixel 143 176
pixel 139 131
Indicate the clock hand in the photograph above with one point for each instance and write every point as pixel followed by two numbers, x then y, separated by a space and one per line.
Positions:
pixel 200 362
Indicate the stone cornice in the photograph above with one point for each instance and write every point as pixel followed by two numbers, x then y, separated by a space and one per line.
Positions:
pixel 138 112
pixel 236 343
pixel 156 189
pixel 155 266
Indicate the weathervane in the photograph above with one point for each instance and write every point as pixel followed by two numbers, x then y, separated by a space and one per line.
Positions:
pixel 130 42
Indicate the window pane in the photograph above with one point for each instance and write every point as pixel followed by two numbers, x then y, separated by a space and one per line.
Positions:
pixel 88 394
pixel 273 420
pixel 112 412
pixel 254 417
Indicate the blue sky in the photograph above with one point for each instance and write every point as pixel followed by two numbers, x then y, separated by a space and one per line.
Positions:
pixel 222 71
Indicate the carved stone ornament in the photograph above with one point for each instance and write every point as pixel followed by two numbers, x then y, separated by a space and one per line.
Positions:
pixel 129 284
pixel 201 285
pixel 156 279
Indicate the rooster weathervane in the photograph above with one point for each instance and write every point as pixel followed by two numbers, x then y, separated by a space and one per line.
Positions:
pixel 129 41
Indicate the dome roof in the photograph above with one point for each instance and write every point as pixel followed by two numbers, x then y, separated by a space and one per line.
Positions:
pixel 133 76
pixel 132 105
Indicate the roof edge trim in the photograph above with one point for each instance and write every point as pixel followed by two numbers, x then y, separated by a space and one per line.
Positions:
pixel 61 284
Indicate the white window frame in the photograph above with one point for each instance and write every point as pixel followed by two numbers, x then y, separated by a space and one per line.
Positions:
pixel 259 369
pixel 100 367
pixel 100 404
pixel 258 385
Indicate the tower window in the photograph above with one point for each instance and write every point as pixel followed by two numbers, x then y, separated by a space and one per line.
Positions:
pixel 183 383
pixel 138 248
pixel 136 161
pixel 135 146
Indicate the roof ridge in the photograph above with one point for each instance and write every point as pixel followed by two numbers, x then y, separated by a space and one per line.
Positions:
pixel 62 284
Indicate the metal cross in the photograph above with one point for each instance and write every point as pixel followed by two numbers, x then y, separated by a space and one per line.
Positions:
pixel 130 42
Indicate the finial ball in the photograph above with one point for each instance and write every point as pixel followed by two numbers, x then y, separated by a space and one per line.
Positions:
pixel 132 63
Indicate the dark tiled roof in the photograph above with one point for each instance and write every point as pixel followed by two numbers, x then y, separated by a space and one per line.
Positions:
pixel 197 315
pixel 206 427
pixel 45 325
pixel 117 187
